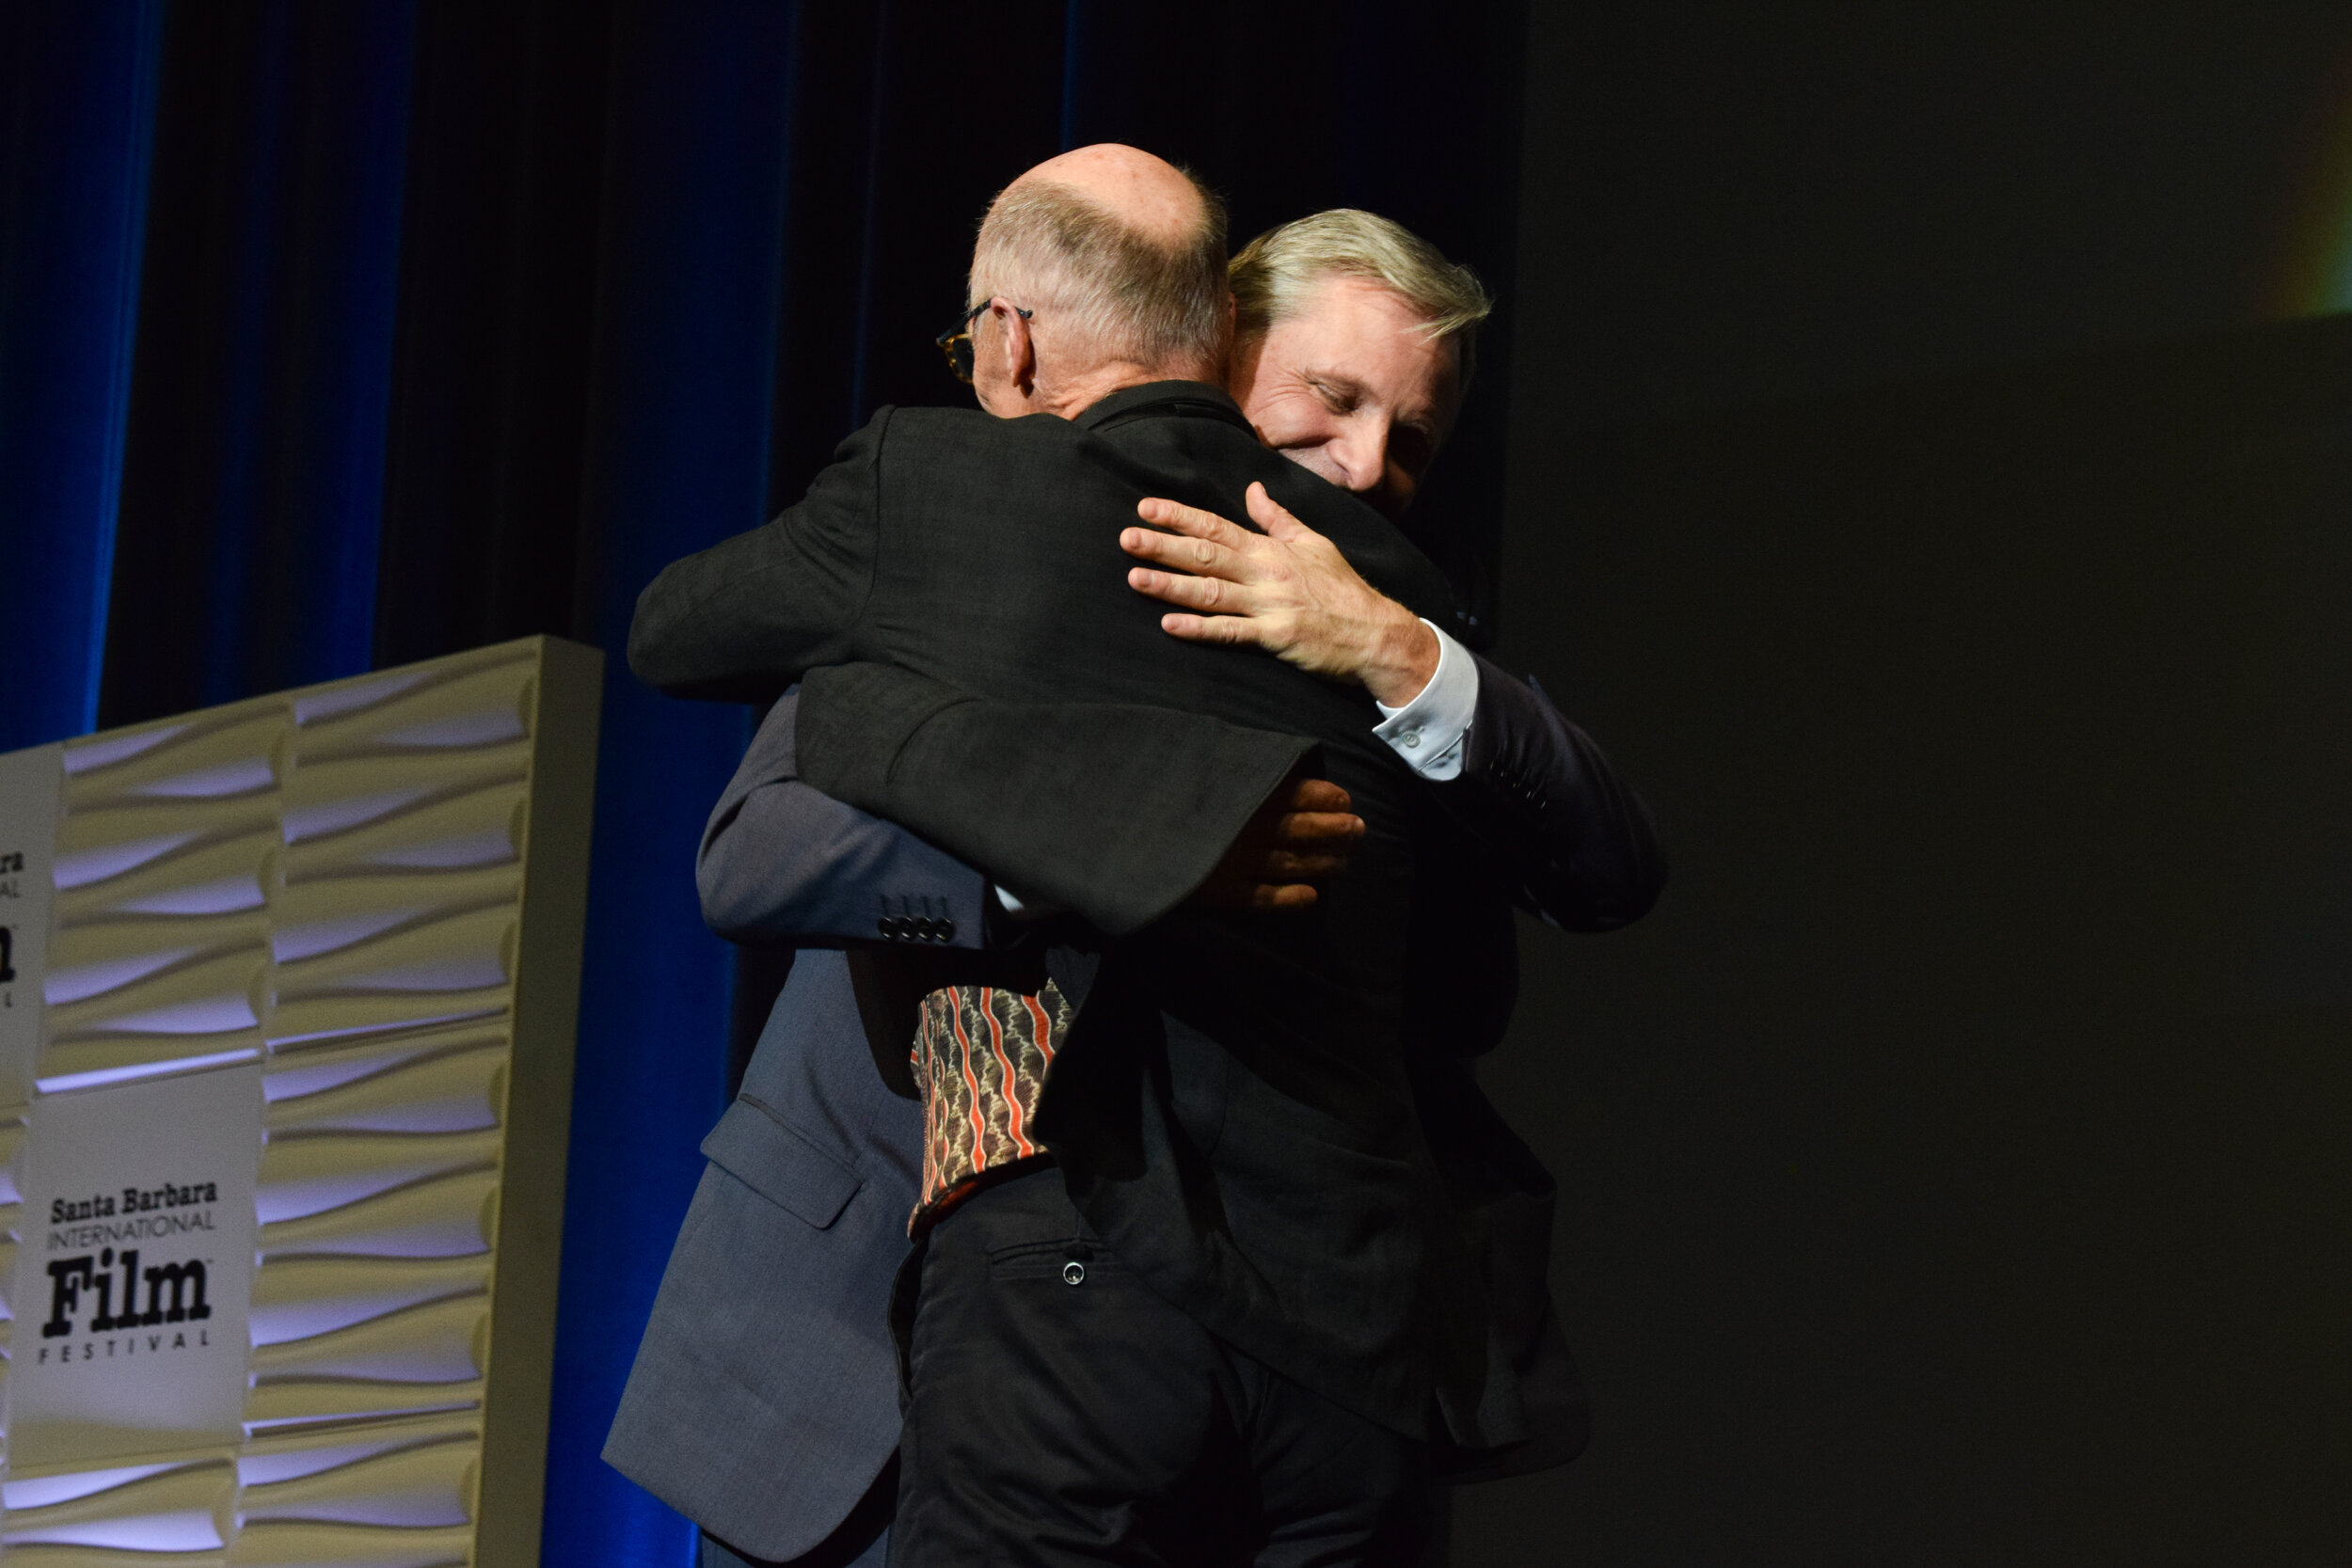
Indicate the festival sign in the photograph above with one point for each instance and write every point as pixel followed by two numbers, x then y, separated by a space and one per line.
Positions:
pixel 136 1269
pixel 287 997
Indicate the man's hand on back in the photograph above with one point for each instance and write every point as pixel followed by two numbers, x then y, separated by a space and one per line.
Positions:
pixel 1288 590
pixel 1297 838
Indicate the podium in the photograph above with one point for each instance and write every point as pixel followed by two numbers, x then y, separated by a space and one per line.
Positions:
pixel 287 998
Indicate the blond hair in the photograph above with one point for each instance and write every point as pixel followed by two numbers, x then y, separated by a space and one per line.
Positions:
pixel 1047 247
pixel 1274 273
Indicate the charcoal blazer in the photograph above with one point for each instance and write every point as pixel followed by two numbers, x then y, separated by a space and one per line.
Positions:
pixel 1232 1112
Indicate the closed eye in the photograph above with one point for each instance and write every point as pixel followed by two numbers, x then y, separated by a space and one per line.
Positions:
pixel 1337 399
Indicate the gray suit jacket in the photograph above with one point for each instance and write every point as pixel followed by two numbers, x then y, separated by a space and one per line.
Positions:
pixel 764 1400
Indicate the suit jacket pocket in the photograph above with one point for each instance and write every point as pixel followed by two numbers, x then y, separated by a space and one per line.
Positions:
pixel 781 1165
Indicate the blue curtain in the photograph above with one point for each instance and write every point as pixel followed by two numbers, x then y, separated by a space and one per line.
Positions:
pixel 676 459
pixel 78 127
pixel 455 320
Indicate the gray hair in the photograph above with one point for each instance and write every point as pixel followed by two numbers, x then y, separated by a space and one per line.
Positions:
pixel 1045 246
pixel 1275 273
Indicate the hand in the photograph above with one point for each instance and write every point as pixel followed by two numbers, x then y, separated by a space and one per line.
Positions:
pixel 1288 590
pixel 1297 837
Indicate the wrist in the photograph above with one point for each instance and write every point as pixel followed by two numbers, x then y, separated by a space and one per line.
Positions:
pixel 1404 658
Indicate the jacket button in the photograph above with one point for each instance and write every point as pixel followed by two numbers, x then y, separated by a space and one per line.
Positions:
pixel 947 930
pixel 1073 1273
pixel 890 927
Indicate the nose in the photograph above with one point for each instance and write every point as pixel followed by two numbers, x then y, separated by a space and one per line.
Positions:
pixel 1361 454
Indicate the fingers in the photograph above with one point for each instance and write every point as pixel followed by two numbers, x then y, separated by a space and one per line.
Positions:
pixel 1227 630
pixel 1318 827
pixel 1189 520
pixel 1288 865
pixel 1317 795
pixel 1205 556
pixel 1192 592
pixel 1271 516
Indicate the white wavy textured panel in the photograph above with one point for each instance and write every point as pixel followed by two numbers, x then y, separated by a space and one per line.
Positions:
pixel 103 861
pixel 468 951
pixel 459 1087
pixel 298 1405
pixel 211 997
pixel 333 701
pixel 221 876
pixel 243 776
pixel 330 880
pixel 47 1491
pixel 161 1065
pixel 303 1175
pixel 482 827
pixel 158 959
pixel 298 1076
pixel 489 704
pixel 303 1298
pixel 433 1342
pixel 104 750
pixel 400 1485
pixel 79 982
pixel 179 1506
pixel 204 1010
pixel 215 756
pixel 311 938
pixel 455 1216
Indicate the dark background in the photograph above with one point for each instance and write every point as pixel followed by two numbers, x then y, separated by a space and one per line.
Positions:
pixel 1895 446
pixel 1906 487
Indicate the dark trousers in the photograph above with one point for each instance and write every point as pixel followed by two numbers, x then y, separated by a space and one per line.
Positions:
pixel 1060 1413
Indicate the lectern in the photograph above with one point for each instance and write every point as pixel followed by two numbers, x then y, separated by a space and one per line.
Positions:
pixel 287 997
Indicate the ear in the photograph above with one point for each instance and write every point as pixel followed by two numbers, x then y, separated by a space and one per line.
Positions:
pixel 1018 350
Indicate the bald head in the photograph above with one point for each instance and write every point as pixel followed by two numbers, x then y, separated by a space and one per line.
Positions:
pixel 1151 197
pixel 1110 267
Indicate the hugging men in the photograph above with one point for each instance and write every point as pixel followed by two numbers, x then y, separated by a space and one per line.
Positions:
pixel 1221 1253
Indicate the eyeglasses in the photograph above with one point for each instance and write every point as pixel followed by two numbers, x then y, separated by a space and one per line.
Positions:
pixel 955 342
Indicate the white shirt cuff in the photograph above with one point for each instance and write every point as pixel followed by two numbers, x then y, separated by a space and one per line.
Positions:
pixel 1027 913
pixel 1428 732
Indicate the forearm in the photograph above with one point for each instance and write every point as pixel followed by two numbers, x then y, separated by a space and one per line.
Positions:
pixel 781 862
pixel 797 868
pixel 1114 813
pixel 731 623
pixel 1585 847
pixel 745 618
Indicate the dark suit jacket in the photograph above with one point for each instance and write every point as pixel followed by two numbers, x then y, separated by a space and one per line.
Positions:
pixel 1233 1113
pixel 764 1400
pixel 1538 818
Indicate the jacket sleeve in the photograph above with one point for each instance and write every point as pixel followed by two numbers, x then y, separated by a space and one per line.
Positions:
pixel 782 863
pixel 1545 799
pixel 743 619
pixel 1110 811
